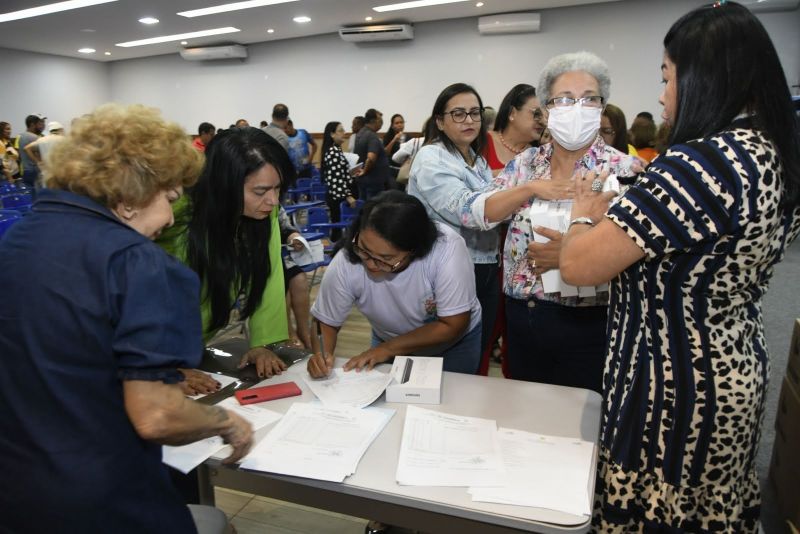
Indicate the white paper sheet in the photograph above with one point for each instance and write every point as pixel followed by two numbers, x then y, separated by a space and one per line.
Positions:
pixel 319 442
pixel 223 380
pixel 440 449
pixel 543 471
pixel 350 388
pixel 187 457
pixel 311 253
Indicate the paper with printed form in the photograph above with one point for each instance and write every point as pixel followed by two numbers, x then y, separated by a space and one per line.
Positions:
pixel 311 253
pixel 187 457
pixel 543 471
pixel 350 388
pixel 319 442
pixel 440 449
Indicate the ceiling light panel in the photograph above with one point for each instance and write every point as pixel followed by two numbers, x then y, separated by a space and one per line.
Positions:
pixel 50 8
pixel 235 6
pixel 414 4
pixel 178 37
pixel 148 20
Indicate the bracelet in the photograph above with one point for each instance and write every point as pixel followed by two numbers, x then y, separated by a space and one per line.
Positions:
pixel 581 220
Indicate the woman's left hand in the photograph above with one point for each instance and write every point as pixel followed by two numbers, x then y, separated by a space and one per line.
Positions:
pixel 368 359
pixel 267 362
pixel 590 203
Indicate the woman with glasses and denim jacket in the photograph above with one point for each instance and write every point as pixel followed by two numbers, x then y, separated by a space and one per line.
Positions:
pixel 412 279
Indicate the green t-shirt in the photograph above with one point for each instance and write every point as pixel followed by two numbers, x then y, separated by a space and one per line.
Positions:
pixel 268 324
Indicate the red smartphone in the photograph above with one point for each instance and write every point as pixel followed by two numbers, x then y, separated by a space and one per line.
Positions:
pixel 267 393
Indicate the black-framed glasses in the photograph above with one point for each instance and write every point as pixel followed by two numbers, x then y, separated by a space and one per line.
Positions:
pixel 460 114
pixel 379 263
pixel 537 113
pixel 594 101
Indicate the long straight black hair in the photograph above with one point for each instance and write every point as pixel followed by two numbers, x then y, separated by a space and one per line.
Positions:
pixel 434 134
pixel 515 98
pixel 327 143
pixel 228 251
pixel 726 64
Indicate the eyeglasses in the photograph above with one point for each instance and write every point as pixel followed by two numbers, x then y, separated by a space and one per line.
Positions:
pixel 594 101
pixel 380 264
pixel 460 114
pixel 608 131
pixel 537 113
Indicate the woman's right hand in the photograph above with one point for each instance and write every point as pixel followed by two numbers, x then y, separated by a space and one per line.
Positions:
pixel 555 189
pixel 238 435
pixel 319 367
pixel 197 382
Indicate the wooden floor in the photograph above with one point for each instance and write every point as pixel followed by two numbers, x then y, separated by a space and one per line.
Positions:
pixel 255 514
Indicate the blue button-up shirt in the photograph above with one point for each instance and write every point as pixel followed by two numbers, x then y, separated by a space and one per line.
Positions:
pixel 87 302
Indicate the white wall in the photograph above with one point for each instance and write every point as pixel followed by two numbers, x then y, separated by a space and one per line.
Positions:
pixel 61 88
pixel 324 78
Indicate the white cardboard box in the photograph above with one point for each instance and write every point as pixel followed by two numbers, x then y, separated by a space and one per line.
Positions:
pixel 416 379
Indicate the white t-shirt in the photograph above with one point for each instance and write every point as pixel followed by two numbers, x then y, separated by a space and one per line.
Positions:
pixel 441 284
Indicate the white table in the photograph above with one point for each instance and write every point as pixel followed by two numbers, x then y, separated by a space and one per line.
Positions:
pixel 372 491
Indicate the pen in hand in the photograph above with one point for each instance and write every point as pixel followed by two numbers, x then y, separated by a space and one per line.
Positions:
pixel 322 347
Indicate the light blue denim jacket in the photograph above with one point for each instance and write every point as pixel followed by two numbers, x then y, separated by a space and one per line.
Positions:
pixel 448 188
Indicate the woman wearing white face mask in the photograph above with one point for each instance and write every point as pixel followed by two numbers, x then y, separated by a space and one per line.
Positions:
pixel 555 339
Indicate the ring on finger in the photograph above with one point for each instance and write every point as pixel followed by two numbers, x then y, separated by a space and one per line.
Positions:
pixel 597 185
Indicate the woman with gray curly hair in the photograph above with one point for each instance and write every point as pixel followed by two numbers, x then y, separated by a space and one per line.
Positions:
pixel 554 338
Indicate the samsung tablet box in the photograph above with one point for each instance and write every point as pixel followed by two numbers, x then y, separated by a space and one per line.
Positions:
pixel 416 379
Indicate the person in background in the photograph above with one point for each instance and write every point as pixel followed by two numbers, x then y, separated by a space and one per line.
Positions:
pixel 38 150
pixel 242 123
pixel 643 137
pixel 277 128
pixel 374 176
pixel 227 232
pixel 552 338
pixel 612 129
pixel 9 157
pixel 301 149
pixel 662 137
pixel 355 127
pixel 205 133
pixel 519 124
pixel 30 171
pixel 335 171
pixel 448 174
pixel 689 251
pixel 395 253
pixel 296 285
pixel 88 376
pixel 489 116
pixel 395 135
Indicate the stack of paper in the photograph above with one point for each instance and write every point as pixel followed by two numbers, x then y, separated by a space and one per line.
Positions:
pixel 319 442
pixel 349 388
pixel 543 471
pixel 187 457
pixel 440 449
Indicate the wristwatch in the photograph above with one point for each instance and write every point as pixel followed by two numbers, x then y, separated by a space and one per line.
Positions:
pixel 581 220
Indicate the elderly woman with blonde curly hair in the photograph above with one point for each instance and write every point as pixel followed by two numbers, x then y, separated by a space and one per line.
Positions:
pixel 94 328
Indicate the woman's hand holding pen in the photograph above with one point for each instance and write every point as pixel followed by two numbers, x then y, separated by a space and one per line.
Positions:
pixel 319 367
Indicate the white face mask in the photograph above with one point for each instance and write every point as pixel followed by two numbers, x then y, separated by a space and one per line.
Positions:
pixel 574 127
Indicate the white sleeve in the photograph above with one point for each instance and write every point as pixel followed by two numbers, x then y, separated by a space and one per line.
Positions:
pixel 335 298
pixel 454 277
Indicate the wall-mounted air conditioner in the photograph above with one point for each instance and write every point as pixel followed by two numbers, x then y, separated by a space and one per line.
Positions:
pixel 763 6
pixel 209 53
pixel 509 23
pixel 389 32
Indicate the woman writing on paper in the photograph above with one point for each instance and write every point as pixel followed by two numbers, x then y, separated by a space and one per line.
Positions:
pixel 411 278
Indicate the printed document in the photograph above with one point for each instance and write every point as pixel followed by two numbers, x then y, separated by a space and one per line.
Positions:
pixel 543 471
pixel 187 457
pixel 319 442
pixel 440 449
pixel 351 388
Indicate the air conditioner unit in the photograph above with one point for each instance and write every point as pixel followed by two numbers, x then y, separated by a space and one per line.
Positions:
pixel 509 23
pixel 764 6
pixel 209 53
pixel 389 32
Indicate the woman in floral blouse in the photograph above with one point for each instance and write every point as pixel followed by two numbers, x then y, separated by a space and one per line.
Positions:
pixel 335 173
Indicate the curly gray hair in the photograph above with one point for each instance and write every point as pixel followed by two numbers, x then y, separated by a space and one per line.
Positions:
pixel 585 61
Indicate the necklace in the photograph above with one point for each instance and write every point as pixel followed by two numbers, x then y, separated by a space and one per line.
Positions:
pixel 503 142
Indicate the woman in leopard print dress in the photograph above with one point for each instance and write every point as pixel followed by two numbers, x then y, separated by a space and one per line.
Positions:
pixel 689 250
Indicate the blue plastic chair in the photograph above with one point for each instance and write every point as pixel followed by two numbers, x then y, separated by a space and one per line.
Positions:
pixel 7 219
pixel 301 189
pixel 318 191
pixel 348 213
